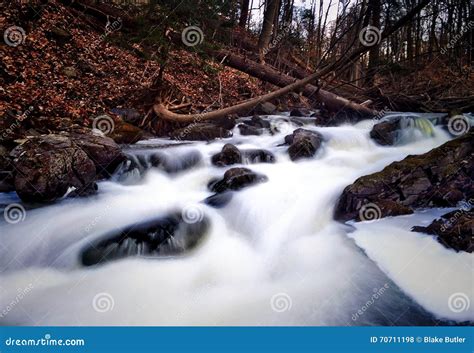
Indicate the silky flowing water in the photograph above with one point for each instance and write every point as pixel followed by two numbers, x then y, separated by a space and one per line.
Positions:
pixel 272 256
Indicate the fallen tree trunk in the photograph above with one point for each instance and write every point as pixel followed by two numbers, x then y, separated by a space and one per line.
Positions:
pixel 266 73
pixel 161 111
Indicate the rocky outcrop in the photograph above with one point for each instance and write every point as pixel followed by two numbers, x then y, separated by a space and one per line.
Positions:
pixel 167 236
pixel 303 143
pixel 230 154
pixel 6 171
pixel 385 133
pixel 454 230
pixel 236 179
pixel 200 132
pixel 440 178
pixel 103 151
pixel 47 166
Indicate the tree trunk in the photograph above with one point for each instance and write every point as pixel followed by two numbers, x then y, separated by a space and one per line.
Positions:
pixel 244 13
pixel 267 27
pixel 374 54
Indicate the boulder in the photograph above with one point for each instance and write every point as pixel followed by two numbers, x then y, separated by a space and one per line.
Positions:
pixel 300 112
pixel 171 235
pixel 385 133
pixel 440 178
pixel 47 166
pixel 103 151
pixel 248 130
pixel 266 108
pixel 228 156
pixel 237 179
pixel 303 143
pixel 200 132
pixel 454 230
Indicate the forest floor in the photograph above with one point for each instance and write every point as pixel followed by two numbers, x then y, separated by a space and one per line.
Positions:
pixel 64 68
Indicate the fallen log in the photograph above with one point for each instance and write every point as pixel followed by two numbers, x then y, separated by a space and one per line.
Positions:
pixel 333 102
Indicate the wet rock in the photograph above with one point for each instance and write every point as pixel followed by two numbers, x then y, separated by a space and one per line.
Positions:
pixel 440 178
pixel 219 200
pixel 258 122
pixel 303 143
pixel 47 166
pixel 160 237
pixel 257 156
pixel 200 132
pixel 6 171
pixel 385 133
pixel 454 230
pixel 174 164
pixel 227 122
pixel 300 112
pixel 103 151
pixel 248 130
pixel 266 108
pixel 236 179
pixel 125 133
pixel 229 155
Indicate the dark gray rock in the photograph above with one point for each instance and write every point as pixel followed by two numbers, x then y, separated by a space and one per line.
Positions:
pixel 303 143
pixel 167 236
pixel 200 132
pixel 440 178
pixel 228 156
pixel 237 179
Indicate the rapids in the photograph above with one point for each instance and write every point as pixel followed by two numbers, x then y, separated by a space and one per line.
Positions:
pixel 272 256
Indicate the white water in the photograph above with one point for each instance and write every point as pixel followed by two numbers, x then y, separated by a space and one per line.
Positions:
pixel 273 255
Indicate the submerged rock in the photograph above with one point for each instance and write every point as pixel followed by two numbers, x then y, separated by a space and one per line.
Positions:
pixel 303 143
pixel 454 230
pixel 236 179
pixel 219 200
pixel 248 130
pixel 230 154
pixel 200 132
pixel 161 237
pixel 440 178
pixel 385 133
pixel 47 166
